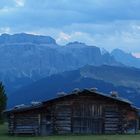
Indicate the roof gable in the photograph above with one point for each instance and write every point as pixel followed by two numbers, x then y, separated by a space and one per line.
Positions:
pixel 73 94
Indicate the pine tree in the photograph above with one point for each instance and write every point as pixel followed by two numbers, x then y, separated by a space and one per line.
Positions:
pixel 3 101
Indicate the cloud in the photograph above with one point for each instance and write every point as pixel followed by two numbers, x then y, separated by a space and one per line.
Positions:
pixel 121 34
pixel 91 11
pixel 105 23
pixel 137 55
pixel 4 10
pixel 63 37
pixel 66 12
pixel 6 3
pixel 5 30
pixel 20 3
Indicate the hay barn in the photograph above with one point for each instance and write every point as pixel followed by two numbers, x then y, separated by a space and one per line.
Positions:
pixel 80 112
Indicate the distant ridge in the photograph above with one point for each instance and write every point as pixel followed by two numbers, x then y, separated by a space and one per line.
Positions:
pixel 26 38
pixel 25 58
pixel 126 58
pixel 126 81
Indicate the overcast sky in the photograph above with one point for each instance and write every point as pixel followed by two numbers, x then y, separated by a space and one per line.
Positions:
pixel 105 23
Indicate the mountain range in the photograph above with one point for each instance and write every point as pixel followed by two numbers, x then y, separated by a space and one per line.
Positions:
pixel 35 67
pixel 104 78
pixel 26 58
pixel 126 58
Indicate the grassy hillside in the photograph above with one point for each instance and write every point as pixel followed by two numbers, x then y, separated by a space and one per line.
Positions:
pixel 119 76
pixel 5 136
pixel 105 78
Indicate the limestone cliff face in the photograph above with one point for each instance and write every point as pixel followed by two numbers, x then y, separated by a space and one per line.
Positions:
pixel 26 58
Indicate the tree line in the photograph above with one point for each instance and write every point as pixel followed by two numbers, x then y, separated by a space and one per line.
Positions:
pixel 3 102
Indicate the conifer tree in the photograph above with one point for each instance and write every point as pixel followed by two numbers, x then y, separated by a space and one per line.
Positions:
pixel 3 101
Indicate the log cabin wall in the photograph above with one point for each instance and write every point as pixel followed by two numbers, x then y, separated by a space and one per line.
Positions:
pixel 11 123
pixel 46 120
pixel 86 114
pixel 87 118
pixel 79 114
pixel 62 118
pixel 112 119
pixel 130 121
pixel 26 123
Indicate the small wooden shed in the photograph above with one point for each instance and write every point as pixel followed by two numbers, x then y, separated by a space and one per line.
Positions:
pixel 80 112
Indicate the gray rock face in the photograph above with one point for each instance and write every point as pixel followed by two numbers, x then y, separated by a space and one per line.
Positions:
pixel 25 57
pixel 126 58
pixel 25 38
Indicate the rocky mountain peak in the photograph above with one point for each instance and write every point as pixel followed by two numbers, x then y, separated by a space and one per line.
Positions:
pixel 26 38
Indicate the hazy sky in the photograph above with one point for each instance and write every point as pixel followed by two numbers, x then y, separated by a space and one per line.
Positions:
pixel 105 23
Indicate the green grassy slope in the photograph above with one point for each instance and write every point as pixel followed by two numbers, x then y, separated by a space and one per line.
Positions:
pixel 5 136
pixel 119 76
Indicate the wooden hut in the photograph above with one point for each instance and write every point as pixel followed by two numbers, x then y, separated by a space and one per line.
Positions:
pixel 80 112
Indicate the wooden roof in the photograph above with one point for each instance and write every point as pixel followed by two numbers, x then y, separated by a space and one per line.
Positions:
pixel 72 94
